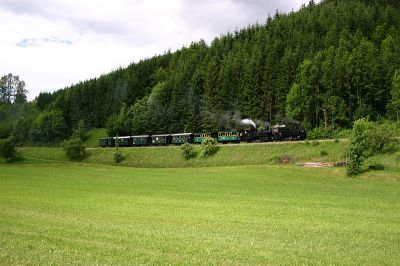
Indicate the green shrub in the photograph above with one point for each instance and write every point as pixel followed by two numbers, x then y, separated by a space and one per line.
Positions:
pixel 307 142
pixel 319 133
pixel 341 133
pixel 208 147
pixel 336 141
pixel 118 156
pixel 368 139
pixel 323 153
pixel 5 129
pixel 9 152
pixel 188 151
pixel 74 149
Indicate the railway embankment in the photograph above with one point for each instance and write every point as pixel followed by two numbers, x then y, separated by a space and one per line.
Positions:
pixel 227 155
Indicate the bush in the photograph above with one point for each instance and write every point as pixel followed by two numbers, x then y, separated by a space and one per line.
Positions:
pixel 118 156
pixel 319 133
pixel 9 152
pixel 341 133
pixel 51 126
pixel 336 141
pixel 208 147
pixel 74 149
pixel 188 151
pixel 323 153
pixel 5 129
pixel 368 139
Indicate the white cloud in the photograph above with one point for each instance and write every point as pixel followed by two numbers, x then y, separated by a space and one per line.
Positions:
pixel 51 44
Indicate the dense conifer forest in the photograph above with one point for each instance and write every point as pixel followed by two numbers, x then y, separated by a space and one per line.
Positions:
pixel 324 66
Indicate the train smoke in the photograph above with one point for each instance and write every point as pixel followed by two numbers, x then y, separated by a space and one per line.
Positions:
pixel 248 122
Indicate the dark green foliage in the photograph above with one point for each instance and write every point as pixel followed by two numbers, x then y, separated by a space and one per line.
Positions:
pixel 5 129
pixel 16 117
pixel 394 104
pixel 20 133
pixel 368 139
pixel 43 100
pixel 323 153
pixel 319 133
pixel 6 120
pixel 208 148
pixel 188 151
pixel 9 152
pixel 50 126
pixel 80 131
pixel 74 149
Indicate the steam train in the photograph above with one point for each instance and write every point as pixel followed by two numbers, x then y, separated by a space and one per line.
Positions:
pixel 277 133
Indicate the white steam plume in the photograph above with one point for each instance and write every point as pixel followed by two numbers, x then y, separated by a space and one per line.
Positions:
pixel 248 122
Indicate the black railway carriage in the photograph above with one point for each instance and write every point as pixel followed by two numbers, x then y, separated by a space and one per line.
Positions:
pixel 163 139
pixel 125 141
pixel 142 140
pixel 181 138
pixel 105 142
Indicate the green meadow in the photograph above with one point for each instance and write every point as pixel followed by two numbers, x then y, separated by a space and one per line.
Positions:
pixel 64 213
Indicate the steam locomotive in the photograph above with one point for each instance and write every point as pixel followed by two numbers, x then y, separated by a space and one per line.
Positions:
pixel 277 133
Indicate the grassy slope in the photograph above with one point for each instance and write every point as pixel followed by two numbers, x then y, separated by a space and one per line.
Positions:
pixel 65 214
pixel 93 136
pixel 228 155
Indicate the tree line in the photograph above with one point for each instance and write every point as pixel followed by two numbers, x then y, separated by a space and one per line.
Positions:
pixel 326 65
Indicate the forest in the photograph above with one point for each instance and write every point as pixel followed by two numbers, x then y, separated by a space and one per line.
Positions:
pixel 324 66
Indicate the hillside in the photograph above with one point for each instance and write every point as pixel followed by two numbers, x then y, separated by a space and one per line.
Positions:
pixel 325 66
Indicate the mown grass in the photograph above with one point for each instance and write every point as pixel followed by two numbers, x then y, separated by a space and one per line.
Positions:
pixel 70 213
pixel 228 155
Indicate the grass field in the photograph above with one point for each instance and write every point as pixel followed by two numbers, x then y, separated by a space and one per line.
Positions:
pixel 99 214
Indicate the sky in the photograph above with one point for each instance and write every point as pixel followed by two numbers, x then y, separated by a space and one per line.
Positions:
pixel 52 44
